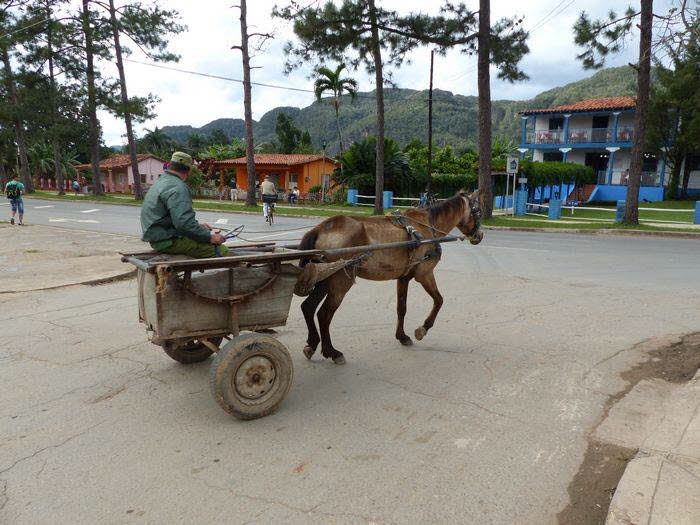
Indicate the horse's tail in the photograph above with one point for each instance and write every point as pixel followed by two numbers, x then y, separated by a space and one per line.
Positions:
pixel 308 242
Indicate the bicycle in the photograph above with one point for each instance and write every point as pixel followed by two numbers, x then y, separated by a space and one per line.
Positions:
pixel 427 200
pixel 270 213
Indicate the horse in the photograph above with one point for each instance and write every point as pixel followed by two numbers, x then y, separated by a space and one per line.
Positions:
pixel 400 264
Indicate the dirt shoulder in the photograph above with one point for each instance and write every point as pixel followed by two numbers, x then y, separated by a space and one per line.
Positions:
pixel 44 257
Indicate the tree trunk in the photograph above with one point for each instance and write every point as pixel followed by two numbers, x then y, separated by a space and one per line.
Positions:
pixel 430 126
pixel 686 178
pixel 92 102
pixel 57 164
pixel 640 116
pixel 3 173
pixel 340 138
pixel 674 180
pixel 17 123
pixel 484 86
pixel 138 191
pixel 247 108
pixel 379 80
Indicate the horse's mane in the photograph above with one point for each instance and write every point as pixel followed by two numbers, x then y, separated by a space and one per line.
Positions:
pixel 454 204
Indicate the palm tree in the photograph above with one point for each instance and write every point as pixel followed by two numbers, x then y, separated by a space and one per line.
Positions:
pixel 155 141
pixel 330 81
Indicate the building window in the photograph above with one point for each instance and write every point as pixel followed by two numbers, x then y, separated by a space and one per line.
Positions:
pixel 601 122
pixel 553 156
pixel 694 162
pixel 143 179
pixel 556 123
pixel 650 162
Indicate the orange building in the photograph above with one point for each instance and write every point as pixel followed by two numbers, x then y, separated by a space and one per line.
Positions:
pixel 287 171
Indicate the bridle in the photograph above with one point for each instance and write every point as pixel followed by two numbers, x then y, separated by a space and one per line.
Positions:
pixel 475 212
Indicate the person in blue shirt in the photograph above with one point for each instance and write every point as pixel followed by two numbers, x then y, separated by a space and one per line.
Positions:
pixel 13 191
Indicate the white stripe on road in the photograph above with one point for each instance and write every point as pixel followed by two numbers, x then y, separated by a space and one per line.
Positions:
pixel 40 207
pixel 4 203
pixel 84 221
pixel 221 221
pixel 278 234
pixel 90 211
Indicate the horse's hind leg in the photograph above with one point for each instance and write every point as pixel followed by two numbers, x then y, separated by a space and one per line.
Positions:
pixel 430 286
pixel 401 295
pixel 338 286
pixel 308 307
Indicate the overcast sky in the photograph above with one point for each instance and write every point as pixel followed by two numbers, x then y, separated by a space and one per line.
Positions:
pixel 213 27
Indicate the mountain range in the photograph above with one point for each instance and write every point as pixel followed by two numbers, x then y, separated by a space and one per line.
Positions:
pixel 454 116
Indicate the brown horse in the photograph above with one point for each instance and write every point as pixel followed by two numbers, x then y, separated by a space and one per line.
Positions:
pixel 402 264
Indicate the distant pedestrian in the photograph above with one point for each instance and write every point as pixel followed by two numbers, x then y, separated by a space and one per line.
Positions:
pixel 76 186
pixel 13 191
pixel 233 188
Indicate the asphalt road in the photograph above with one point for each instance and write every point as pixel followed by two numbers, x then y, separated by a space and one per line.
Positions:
pixel 487 420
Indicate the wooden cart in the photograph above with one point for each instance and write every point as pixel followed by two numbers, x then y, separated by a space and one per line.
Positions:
pixel 194 308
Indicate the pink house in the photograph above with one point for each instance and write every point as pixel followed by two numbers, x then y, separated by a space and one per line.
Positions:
pixel 117 175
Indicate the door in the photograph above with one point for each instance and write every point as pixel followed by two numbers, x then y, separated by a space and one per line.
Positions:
pixel 600 129
pixel 598 160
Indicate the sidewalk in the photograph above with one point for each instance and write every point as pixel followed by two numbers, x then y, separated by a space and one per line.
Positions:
pixel 43 257
pixel 661 484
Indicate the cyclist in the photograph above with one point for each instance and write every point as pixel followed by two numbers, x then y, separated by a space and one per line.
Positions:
pixel 269 195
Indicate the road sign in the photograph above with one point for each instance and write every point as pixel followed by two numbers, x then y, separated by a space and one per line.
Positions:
pixel 512 165
pixel 522 180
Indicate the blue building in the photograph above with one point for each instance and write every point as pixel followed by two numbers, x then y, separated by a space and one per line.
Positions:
pixel 597 133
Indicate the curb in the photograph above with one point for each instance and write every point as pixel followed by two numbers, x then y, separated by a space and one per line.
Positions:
pixel 581 231
pixel 92 282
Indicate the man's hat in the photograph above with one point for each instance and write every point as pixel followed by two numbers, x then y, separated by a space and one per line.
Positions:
pixel 182 158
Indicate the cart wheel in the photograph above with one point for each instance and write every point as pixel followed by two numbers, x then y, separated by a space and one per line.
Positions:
pixel 251 375
pixel 191 352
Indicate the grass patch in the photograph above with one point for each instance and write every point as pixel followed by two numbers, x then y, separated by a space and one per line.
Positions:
pixel 214 205
pixel 516 222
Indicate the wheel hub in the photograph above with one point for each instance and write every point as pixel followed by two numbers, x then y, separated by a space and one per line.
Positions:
pixel 255 377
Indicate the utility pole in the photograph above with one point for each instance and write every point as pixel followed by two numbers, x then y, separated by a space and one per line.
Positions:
pixel 430 125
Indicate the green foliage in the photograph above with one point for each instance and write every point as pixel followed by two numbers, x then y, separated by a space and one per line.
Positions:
pixel 195 180
pixel 359 162
pixel 331 81
pixel 291 139
pixel 600 38
pixel 315 188
pixel 545 173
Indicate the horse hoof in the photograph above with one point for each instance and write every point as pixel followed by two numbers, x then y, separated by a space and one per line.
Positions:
pixel 339 360
pixel 309 352
pixel 406 341
pixel 420 332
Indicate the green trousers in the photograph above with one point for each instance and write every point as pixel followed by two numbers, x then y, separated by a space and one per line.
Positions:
pixel 186 246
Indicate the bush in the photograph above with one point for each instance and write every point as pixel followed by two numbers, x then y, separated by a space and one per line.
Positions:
pixel 315 189
pixel 195 180
pixel 447 184
pixel 545 173
pixel 339 197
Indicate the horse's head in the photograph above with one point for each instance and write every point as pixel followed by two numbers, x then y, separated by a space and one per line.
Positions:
pixel 470 225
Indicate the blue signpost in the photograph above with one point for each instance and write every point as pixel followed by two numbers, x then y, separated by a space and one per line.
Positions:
pixel 620 211
pixel 697 213
pixel 554 209
pixel 387 199
pixel 352 196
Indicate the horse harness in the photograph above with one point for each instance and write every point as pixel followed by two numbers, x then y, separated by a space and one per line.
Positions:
pixel 401 221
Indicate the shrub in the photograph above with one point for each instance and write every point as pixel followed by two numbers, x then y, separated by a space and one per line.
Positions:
pixel 545 173
pixel 315 189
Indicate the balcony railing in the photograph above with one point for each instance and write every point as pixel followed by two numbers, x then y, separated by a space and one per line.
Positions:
pixel 621 178
pixel 580 136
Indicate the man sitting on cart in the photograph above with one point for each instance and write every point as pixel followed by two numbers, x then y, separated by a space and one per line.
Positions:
pixel 167 218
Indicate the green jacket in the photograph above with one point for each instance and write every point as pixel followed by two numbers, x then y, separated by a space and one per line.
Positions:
pixel 167 212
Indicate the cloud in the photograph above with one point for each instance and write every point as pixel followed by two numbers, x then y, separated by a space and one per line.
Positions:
pixel 213 27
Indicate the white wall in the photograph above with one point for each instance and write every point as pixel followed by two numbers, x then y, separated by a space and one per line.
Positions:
pixel 152 168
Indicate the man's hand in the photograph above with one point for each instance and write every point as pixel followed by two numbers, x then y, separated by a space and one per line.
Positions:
pixel 217 238
pixel 205 225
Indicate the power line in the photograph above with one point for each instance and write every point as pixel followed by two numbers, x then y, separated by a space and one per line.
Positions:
pixel 24 28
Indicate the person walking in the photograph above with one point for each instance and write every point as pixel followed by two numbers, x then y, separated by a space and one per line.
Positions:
pixel 13 191
pixel 76 186
pixel 233 188
pixel 168 220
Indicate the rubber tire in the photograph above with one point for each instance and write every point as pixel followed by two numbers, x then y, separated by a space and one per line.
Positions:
pixel 191 353
pixel 232 356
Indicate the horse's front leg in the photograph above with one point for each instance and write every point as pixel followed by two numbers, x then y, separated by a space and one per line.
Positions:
pixel 308 307
pixel 401 295
pixel 430 286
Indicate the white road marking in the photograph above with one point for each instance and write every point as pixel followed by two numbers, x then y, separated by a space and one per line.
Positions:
pixel 221 221
pixel 83 221
pixel 89 211
pixel 40 207
pixel 4 203
pixel 278 234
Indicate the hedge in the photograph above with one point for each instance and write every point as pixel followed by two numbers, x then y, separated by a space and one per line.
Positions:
pixel 545 173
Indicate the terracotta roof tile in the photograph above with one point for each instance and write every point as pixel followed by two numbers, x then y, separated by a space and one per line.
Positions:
pixel 121 160
pixel 592 104
pixel 279 159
